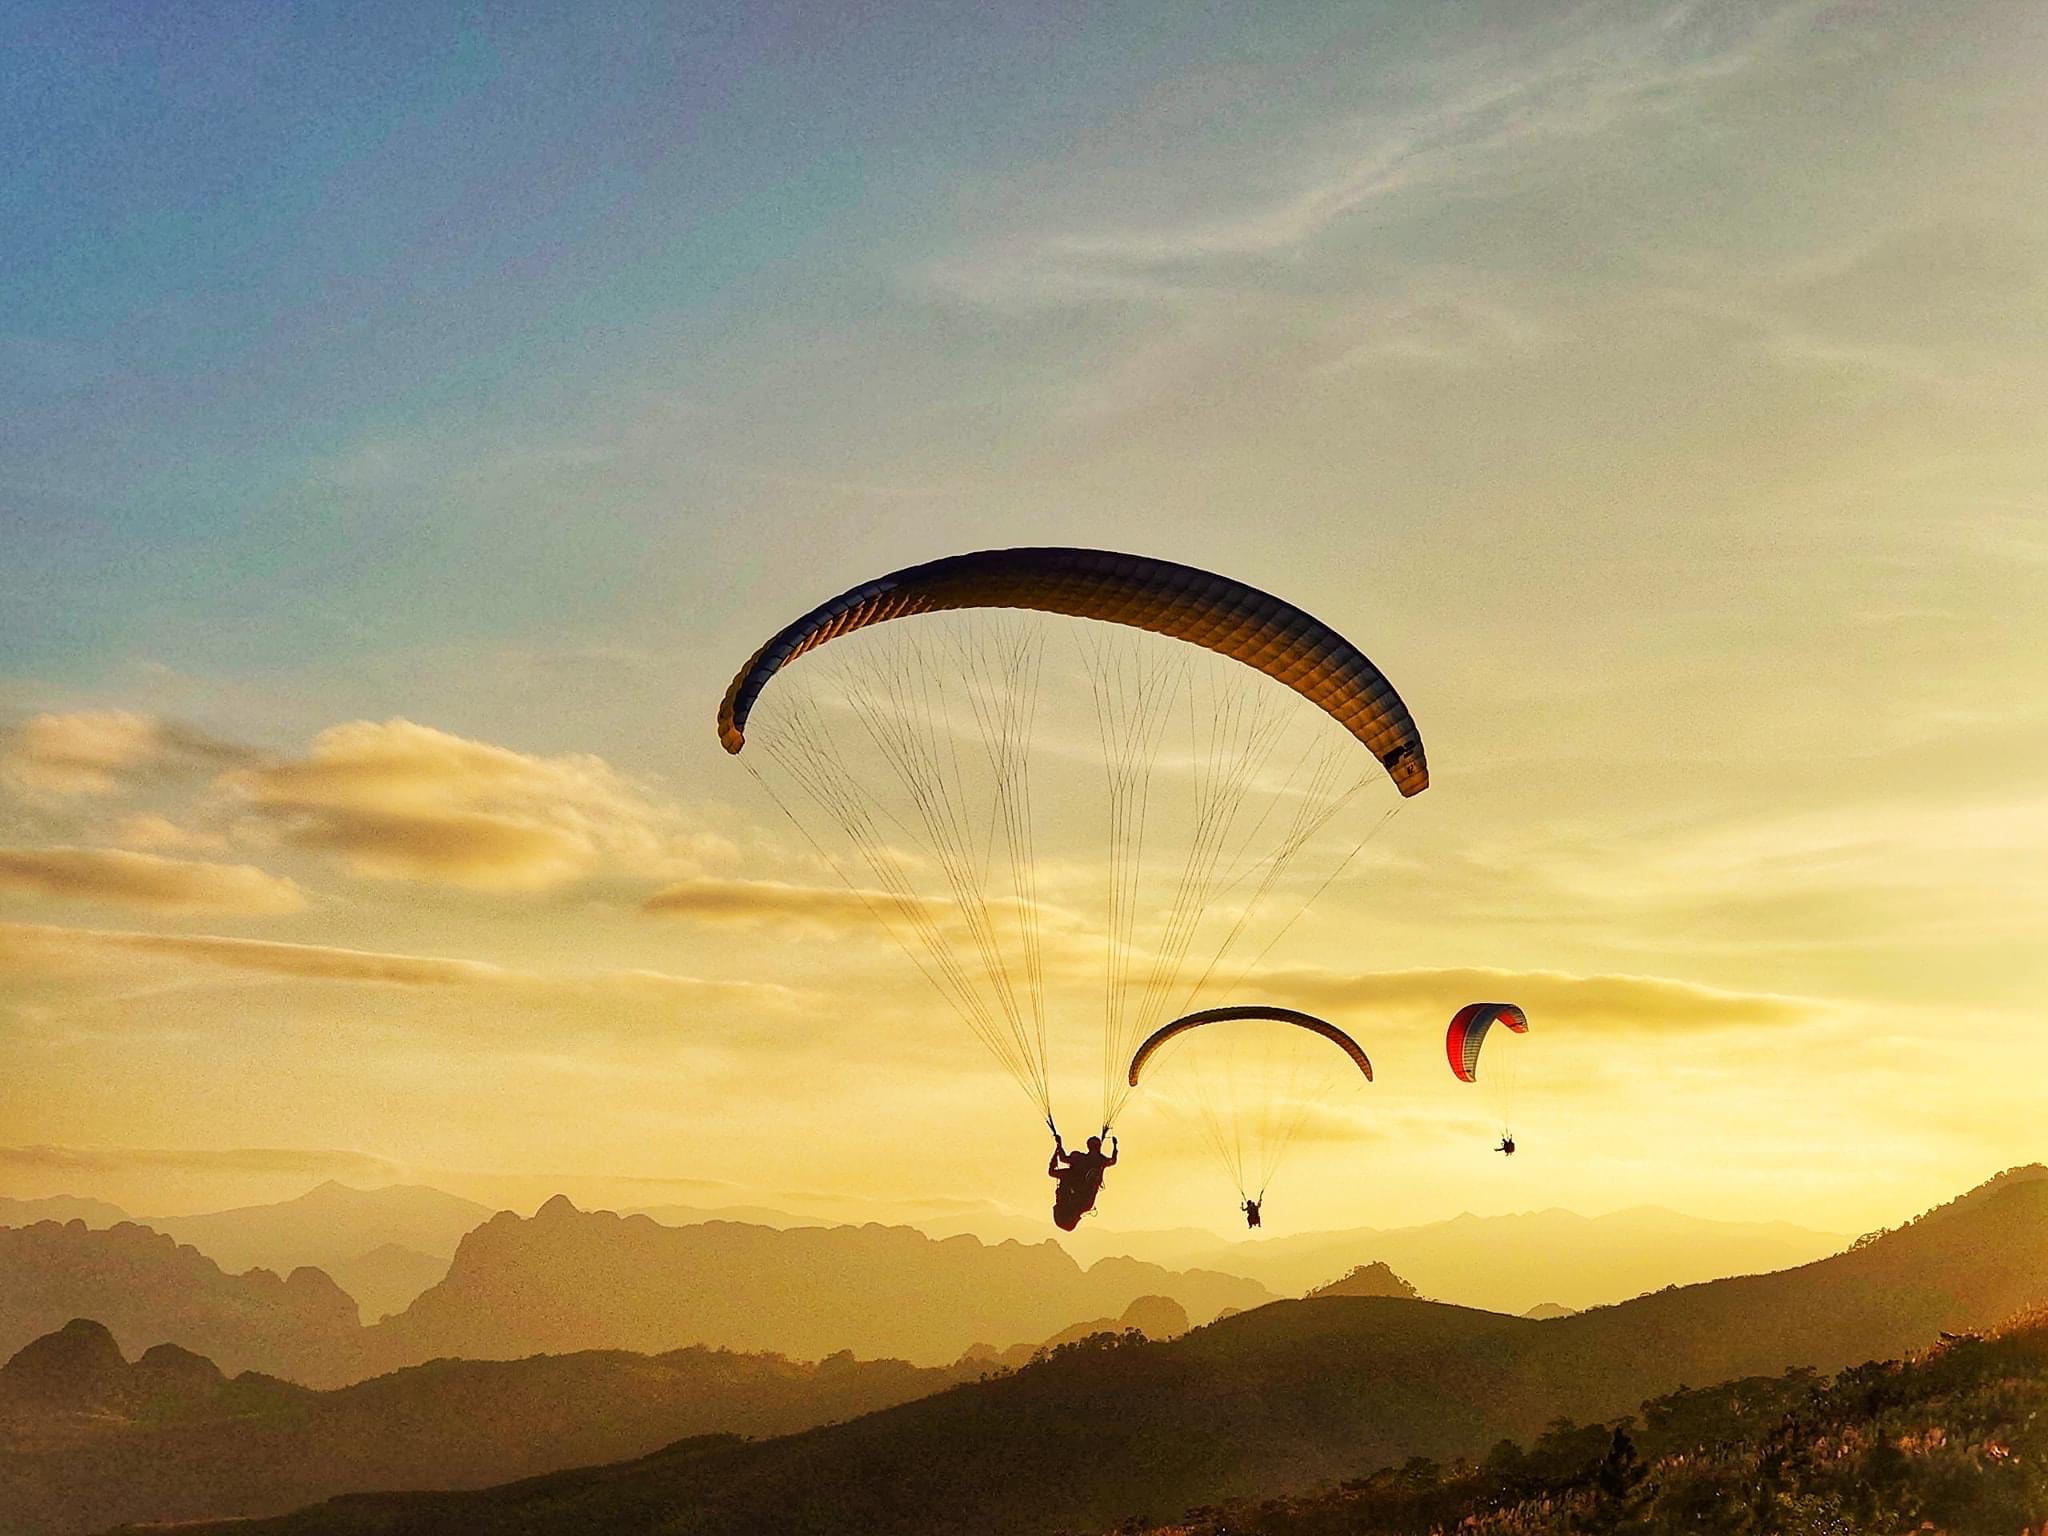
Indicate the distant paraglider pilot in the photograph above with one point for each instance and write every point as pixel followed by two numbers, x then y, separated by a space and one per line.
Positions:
pixel 1251 1212
pixel 1507 1146
pixel 1080 1179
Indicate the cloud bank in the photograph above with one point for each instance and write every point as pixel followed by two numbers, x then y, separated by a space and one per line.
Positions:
pixel 145 880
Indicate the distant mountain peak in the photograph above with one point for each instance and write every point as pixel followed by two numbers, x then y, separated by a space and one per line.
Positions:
pixel 1374 1279
pixel 556 1207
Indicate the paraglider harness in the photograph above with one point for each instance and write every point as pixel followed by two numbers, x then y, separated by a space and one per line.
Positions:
pixel 1078 1189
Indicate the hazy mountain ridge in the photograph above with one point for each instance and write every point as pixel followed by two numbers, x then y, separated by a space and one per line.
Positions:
pixel 1275 1400
pixel 752 1215
pixel 26 1213
pixel 519 1287
pixel 329 1225
pixel 387 1279
pixel 566 1280
pixel 147 1288
pixel 1503 1263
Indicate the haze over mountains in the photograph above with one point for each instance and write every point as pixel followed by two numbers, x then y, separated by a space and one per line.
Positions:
pixel 149 1290
pixel 390 1251
pixel 330 1225
pixel 1501 1263
pixel 566 1278
pixel 1276 1399
pixel 385 1246
pixel 94 1213
pixel 572 1280
pixel 88 1439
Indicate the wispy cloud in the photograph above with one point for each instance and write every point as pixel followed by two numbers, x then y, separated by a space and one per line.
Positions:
pixel 103 752
pixel 34 947
pixel 42 949
pixel 404 801
pixel 358 1167
pixel 1607 1003
pixel 123 878
pixel 1595 72
pixel 775 901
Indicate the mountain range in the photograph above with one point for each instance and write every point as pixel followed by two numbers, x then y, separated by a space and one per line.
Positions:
pixel 148 1289
pixel 328 1226
pixel 384 1246
pixel 566 1280
pixel 1276 1399
pixel 26 1213
pixel 88 1439
pixel 1501 1263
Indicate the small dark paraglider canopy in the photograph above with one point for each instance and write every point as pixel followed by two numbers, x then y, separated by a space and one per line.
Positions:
pixel 1307 1021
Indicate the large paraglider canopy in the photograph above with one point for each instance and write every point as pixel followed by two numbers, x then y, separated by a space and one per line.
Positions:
pixel 1211 611
pixel 1030 764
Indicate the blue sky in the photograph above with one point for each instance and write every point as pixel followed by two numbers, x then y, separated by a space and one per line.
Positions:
pixel 1656 390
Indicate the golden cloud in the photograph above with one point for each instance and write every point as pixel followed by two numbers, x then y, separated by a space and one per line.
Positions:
pixel 404 801
pixel 361 1167
pixel 774 901
pixel 1605 1002
pixel 470 848
pixel 146 829
pixel 35 948
pixel 101 752
pixel 667 986
pixel 145 880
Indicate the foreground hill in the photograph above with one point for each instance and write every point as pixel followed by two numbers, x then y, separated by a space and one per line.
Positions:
pixel 88 1439
pixel 1951 1440
pixel 1273 1400
pixel 582 1279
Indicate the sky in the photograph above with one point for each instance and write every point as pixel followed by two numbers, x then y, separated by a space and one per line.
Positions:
pixel 412 416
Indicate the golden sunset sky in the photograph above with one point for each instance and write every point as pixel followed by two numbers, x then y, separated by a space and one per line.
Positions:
pixel 408 430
